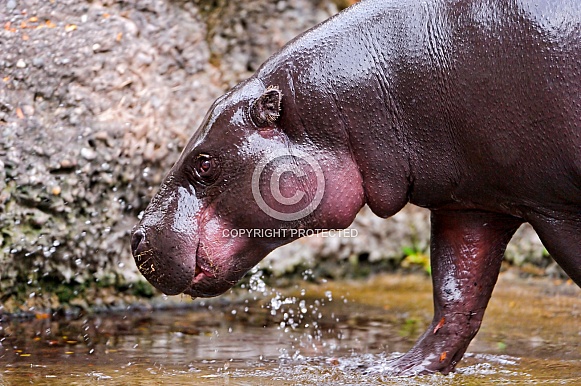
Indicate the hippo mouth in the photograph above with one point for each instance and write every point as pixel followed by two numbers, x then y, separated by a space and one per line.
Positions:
pixel 204 278
pixel 216 273
pixel 202 267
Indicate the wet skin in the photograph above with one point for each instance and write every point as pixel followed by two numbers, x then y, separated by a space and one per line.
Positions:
pixel 469 108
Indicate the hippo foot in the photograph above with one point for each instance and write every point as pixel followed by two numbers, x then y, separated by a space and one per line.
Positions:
pixel 407 366
pixel 432 353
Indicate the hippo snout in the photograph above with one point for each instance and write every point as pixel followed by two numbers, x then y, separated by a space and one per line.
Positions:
pixel 171 274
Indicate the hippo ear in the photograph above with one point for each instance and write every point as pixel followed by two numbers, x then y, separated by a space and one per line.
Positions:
pixel 266 109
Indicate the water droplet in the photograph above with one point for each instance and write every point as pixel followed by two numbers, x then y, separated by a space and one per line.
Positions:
pixel 329 295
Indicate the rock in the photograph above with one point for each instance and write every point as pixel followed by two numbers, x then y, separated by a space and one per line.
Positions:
pixel 88 154
pixel 11 4
pixel 28 110
pixel 38 62
pixel 118 95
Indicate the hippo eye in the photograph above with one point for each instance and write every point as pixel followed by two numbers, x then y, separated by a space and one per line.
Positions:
pixel 206 168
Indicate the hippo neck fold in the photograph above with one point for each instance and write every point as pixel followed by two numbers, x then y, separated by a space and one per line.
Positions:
pixel 342 86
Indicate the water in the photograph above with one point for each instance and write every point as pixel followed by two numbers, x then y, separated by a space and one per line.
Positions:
pixel 325 334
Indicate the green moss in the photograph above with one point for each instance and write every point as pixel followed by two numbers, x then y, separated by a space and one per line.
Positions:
pixel 66 293
pixel 49 293
pixel 142 289
pixel 414 256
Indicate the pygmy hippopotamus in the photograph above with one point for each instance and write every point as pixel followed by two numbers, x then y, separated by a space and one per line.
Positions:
pixel 469 108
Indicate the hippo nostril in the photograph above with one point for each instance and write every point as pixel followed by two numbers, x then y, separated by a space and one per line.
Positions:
pixel 136 238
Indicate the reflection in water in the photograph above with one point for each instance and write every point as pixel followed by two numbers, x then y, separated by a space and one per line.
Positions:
pixel 310 334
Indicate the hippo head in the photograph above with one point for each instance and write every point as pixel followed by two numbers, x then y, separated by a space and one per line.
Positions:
pixel 254 177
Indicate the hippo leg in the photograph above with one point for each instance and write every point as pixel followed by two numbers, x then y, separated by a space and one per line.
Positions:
pixel 467 248
pixel 562 238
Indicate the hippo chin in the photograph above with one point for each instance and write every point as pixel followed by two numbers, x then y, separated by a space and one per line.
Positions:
pixel 469 108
